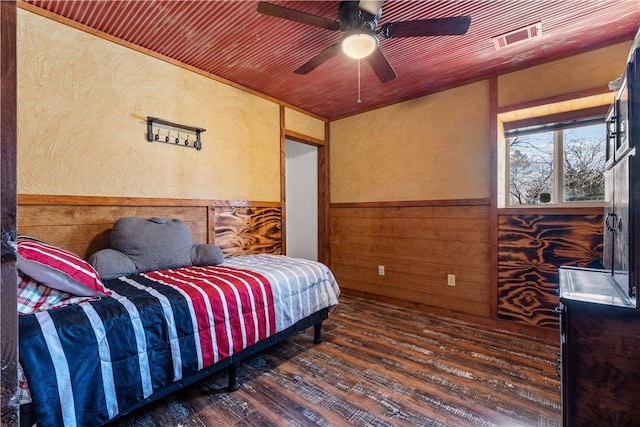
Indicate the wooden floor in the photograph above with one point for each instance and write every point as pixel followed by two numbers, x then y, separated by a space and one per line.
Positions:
pixel 379 365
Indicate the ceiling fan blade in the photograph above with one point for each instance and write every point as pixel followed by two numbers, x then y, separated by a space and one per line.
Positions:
pixel 371 6
pixel 297 16
pixel 319 59
pixel 456 25
pixel 381 66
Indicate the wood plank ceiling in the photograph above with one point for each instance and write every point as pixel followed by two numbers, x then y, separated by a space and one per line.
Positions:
pixel 231 40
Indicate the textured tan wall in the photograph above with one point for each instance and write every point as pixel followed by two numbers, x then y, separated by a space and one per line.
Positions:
pixel 437 147
pixel 431 148
pixel 82 108
pixel 585 71
pixel 303 124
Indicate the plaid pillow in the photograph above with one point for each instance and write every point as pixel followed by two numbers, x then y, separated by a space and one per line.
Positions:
pixel 58 268
pixel 34 296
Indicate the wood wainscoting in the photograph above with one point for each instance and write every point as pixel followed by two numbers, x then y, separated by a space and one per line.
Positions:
pixel 81 224
pixel 532 245
pixel 243 230
pixel 419 244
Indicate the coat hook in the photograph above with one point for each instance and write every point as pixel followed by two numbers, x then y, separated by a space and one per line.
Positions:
pixel 163 132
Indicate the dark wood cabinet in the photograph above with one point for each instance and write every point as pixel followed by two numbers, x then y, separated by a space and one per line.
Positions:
pixel 621 254
pixel 599 355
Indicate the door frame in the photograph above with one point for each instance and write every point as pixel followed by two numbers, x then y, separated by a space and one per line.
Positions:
pixel 324 255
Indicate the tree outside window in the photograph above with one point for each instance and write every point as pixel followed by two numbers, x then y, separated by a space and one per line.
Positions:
pixel 583 163
pixel 557 167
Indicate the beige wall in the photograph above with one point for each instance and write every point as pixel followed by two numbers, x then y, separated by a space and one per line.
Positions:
pixel 431 148
pixel 82 108
pixel 83 101
pixel 577 73
pixel 303 124
pixel 437 147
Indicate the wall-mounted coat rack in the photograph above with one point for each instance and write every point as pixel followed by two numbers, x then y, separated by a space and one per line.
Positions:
pixel 160 130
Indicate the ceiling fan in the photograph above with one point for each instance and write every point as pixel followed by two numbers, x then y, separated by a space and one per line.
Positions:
pixel 359 20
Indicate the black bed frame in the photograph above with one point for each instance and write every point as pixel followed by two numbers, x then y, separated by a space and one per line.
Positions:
pixel 231 363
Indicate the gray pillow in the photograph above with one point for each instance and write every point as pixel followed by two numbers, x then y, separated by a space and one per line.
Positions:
pixel 206 254
pixel 153 244
pixel 110 263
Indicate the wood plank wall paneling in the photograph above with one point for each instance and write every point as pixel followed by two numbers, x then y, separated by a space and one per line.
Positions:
pixel 244 230
pixel 419 245
pixel 82 224
pixel 68 226
pixel 531 247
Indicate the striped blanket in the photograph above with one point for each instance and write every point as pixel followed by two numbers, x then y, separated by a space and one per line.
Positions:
pixel 88 362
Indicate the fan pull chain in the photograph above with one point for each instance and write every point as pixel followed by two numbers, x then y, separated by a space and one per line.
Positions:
pixel 359 100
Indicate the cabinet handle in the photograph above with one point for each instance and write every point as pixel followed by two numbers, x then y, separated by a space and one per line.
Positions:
pixel 558 309
pixel 610 221
pixel 612 127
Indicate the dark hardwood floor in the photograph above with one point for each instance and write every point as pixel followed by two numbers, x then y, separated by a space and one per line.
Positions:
pixel 379 365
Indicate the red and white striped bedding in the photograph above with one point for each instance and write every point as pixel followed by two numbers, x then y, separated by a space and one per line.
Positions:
pixel 86 363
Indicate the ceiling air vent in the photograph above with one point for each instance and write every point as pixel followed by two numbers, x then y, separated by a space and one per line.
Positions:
pixel 529 32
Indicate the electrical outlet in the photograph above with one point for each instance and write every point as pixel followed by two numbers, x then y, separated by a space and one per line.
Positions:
pixel 381 270
pixel 451 279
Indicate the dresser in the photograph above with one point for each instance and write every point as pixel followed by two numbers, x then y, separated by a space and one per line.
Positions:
pixel 599 358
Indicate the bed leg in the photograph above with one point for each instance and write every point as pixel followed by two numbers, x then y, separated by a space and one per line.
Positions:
pixel 317 333
pixel 232 371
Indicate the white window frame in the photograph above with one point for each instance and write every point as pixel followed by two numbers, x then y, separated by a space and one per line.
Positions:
pixel 557 198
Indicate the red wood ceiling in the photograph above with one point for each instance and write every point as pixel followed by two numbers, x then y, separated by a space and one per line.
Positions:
pixel 231 40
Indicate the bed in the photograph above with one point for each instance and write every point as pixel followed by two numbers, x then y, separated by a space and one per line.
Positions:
pixel 134 338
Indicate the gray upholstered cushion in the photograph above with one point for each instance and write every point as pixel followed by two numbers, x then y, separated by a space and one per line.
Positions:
pixel 153 244
pixel 202 255
pixel 110 263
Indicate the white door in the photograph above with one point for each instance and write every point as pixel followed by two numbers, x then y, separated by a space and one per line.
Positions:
pixel 301 186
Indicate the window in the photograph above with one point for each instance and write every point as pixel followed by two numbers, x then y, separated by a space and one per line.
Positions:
pixel 556 164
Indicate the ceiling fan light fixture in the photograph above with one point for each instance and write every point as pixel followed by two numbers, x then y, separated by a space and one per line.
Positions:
pixel 358 45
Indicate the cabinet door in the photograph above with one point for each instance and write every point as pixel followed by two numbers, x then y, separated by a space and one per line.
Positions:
pixel 601 370
pixel 621 234
pixel 562 364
